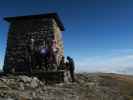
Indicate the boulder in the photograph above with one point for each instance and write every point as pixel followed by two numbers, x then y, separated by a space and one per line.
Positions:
pixel 34 82
pixel 25 79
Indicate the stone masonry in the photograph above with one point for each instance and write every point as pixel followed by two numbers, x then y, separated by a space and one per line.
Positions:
pixel 43 29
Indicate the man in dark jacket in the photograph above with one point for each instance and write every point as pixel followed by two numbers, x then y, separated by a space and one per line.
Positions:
pixel 71 68
pixel 44 57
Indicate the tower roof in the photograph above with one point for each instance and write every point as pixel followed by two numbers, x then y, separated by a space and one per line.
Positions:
pixel 48 15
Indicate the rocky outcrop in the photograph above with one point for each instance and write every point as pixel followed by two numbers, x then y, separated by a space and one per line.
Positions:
pixel 87 87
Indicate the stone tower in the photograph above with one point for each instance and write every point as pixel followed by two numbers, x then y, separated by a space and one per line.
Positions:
pixel 31 31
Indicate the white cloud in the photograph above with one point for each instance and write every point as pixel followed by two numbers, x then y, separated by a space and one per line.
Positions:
pixel 118 61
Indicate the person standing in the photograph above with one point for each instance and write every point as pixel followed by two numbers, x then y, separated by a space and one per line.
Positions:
pixel 44 56
pixel 71 67
pixel 62 63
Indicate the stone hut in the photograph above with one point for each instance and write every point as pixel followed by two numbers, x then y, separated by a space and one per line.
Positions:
pixel 34 32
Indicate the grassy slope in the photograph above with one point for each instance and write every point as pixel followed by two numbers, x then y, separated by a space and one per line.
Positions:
pixel 123 83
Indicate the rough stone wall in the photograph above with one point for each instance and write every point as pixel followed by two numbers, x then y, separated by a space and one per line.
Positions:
pixel 18 39
pixel 59 40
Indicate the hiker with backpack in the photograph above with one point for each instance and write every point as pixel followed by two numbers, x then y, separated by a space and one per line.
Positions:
pixel 71 68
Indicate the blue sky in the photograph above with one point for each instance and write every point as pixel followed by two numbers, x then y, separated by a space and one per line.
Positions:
pixel 98 35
